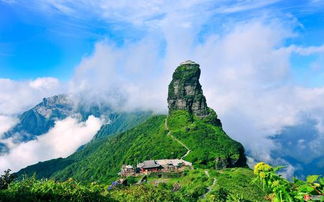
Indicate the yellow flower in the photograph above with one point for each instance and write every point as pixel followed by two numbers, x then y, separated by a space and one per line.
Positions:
pixel 262 174
pixel 275 183
pixel 317 185
pixel 259 167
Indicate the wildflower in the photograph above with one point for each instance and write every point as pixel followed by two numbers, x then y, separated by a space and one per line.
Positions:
pixel 259 167
pixel 262 174
pixel 275 183
pixel 317 185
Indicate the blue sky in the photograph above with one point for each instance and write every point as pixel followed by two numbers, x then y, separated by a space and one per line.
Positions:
pixel 50 39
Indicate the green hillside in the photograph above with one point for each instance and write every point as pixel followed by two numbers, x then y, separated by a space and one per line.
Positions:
pixel 102 160
pixel 210 146
pixel 122 122
pixel 232 184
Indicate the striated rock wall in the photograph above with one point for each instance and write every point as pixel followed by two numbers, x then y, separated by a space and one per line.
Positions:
pixel 185 93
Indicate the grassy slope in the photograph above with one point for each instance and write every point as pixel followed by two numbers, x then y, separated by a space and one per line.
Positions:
pixel 206 141
pixel 101 160
pixel 121 122
pixel 146 141
pixel 192 185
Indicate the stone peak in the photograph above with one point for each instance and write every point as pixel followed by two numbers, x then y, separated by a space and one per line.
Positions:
pixel 185 92
pixel 188 62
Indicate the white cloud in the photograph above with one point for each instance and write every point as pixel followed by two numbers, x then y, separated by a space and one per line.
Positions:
pixel 61 141
pixel 245 6
pixel 106 76
pixel 143 12
pixel 305 50
pixel 17 96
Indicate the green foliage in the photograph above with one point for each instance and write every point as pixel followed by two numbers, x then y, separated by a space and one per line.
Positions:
pixel 186 72
pixel 102 159
pixel 206 141
pixel 179 119
pixel 6 179
pixel 280 189
pixel 236 183
pixel 31 189
pixel 191 185
pixel 144 193
pixel 122 122
pixel 146 141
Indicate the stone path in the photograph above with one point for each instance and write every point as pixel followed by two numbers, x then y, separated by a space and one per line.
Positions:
pixel 170 134
pixel 210 187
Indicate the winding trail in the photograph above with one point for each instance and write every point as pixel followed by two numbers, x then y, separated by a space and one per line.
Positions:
pixel 170 134
pixel 210 187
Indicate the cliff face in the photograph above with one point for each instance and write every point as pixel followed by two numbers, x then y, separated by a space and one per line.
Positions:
pixel 187 107
pixel 185 93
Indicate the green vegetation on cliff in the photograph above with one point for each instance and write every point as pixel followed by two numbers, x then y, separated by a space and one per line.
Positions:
pixel 122 122
pixel 101 161
pixel 146 141
pixel 210 146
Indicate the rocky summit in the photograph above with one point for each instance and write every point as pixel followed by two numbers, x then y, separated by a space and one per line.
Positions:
pixel 185 92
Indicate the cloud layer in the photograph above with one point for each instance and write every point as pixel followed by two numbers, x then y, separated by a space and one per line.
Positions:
pixel 61 141
pixel 18 96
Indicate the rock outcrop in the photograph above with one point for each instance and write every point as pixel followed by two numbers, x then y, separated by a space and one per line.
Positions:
pixel 185 92
pixel 40 118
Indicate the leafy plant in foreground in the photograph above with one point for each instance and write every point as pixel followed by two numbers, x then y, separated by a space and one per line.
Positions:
pixel 281 189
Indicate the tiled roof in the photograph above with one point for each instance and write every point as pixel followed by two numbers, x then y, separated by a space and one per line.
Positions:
pixel 148 164
pixel 163 163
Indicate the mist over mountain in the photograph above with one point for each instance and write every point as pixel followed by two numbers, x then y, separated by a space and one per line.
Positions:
pixel 60 124
pixel 202 140
pixel 74 71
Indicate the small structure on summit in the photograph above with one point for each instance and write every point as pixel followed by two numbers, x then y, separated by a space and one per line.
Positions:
pixel 188 62
pixel 149 166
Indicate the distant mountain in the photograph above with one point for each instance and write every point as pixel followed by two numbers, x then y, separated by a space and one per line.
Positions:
pixel 191 131
pixel 38 120
pixel 41 118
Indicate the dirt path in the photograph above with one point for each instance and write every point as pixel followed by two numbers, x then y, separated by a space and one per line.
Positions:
pixel 210 187
pixel 170 134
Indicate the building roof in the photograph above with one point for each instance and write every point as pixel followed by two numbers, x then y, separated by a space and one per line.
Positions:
pixel 163 163
pixel 148 164
pixel 173 162
pixel 188 62
pixel 127 167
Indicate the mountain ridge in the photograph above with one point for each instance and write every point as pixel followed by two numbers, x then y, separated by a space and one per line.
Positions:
pixel 210 146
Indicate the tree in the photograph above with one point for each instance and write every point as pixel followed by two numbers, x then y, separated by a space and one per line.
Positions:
pixel 6 179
